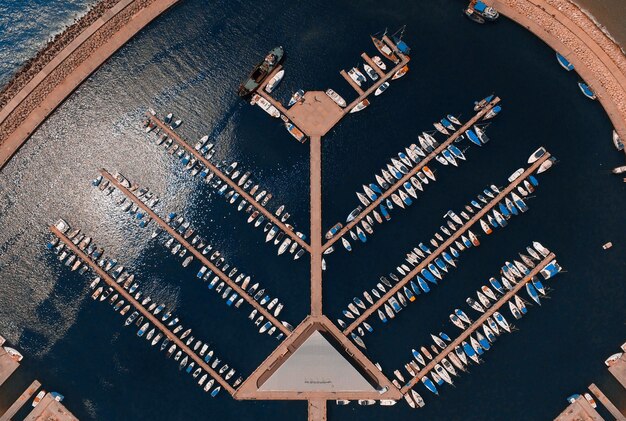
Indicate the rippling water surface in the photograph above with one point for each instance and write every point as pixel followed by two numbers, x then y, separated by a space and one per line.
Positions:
pixel 190 61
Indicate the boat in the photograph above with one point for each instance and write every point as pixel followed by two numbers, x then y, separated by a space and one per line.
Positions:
pixel 564 62
pixel 591 400
pixel 370 72
pixel 617 170
pixel 586 90
pixel 379 62
pixel 613 359
pixel 492 112
pixel 274 81
pixel 545 166
pixel 261 71
pixel 479 105
pixel 38 398
pixel 429 385
pixel 14 354
pixel 384 49
pixel 382 88
pixel 473 137
pixel 403 71
pixel 486 12
pixel 536 155
pixel 296 132
pixel 473 15
pixel 296 97
pixel 336 98
pixel 265 105
pixel 360 106
pixel 619 145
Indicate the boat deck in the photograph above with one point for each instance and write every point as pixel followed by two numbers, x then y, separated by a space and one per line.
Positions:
pixel 226 179
pixel 618 370
pixel 580 410
pixel 24 397
pixel 50 410
pixel 155 321
pixel 197 253
pixel 317 114
pixel 418 167
pixel 7 366
pixel 606 402
pixel 450 241
pixel 476 324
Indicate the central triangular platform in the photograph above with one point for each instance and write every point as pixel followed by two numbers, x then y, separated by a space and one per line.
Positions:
pixel 316 366
pixel 316 361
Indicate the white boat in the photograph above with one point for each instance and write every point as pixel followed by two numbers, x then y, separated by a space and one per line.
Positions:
pixel 336 97
pixel 370 72
pixel 545 166
pixel 274 81
pixel 14 354
pixel 379 62
pixel 516 175
pixel 382 88
pixel 536 155
pixel 400 73
pixel 266 106
pixel 355 78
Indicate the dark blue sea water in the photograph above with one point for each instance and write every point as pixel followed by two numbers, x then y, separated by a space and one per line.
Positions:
pixel 190 61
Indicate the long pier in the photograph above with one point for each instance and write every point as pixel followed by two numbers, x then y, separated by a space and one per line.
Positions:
pixel 148 315
pixel 316 225
pixel 479 322
pixel 455 236
pixel 171 231
pixel 226 179
pixel 419 166
pixel 606 402
pixel 7 365
pixel 24 397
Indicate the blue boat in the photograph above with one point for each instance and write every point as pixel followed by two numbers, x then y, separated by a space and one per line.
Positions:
pixel 466 242
pixel 521 205
pixel 586 90
pixel 496 285
pixel 434 270
pixel 441 264
pixel 394 304
pixel 447 124
pixel 445 337
pixel 424 248
pixel 231 299
pixel 216 391
pixel 456 151
pixel 407 201
pixel 190 367
pixel 383 211
pixel 473 137
pixel 382 316
pixel 564 63
pixel 533 181
pixel 429 385
pixel 476 204
pixel 454 252
pixel 538 285
pixel 429 276
pixel 532 292
pixel 415 288
pixel 469 350
pixel 389 203
pixel 483 341
pixel 504 211
pixel 422 283
pixel 408 294
pixel 448 258
pixel 375 188
pixel 361 235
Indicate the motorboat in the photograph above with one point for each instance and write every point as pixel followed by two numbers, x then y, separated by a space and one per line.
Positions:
pixel 379 62
pixel 360 106
pixel 382 88
pixel 274 81
pixel 586 90
pixel 370 72
pixel 403 71
pixel 564 62
pixel 536 155
pixel 336 98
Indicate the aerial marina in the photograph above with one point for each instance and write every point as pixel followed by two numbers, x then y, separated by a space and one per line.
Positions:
pixel 168 241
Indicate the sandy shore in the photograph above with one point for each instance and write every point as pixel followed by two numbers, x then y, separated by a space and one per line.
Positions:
pixel 567 29
pixel 47 80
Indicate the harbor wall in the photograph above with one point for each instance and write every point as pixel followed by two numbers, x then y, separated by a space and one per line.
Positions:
pixel 48 79
pixel 569 30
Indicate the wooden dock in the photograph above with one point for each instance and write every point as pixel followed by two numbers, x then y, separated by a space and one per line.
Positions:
pixel 317 410
pixel 197 253
pixel 418 167
pixel 580 410
pixel 24 397
pixel 50 410
pixel 476 324
pixel 317 114
pixel 618 370
pixel 455 236
pixel 606 403
pixel 7 366
pixel 226 179
pixel 147 315
pixel 316 225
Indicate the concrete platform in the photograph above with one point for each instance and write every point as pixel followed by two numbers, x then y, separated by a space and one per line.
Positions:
pixel 618 370
pixel 316 114
pixel 580 410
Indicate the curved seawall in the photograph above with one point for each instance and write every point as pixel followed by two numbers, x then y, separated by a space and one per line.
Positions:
pixel 28 99
pixel 567 29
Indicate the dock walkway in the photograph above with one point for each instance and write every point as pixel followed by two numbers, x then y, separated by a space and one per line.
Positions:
pixel 607 403
pixel 202 258
pixel 476 324
pixel 24 397
pixel 455 236
pixel 418 167
pixel 50 409
pixel 226 179
pixel 147 315
pixel 7 366
pixel 618 370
